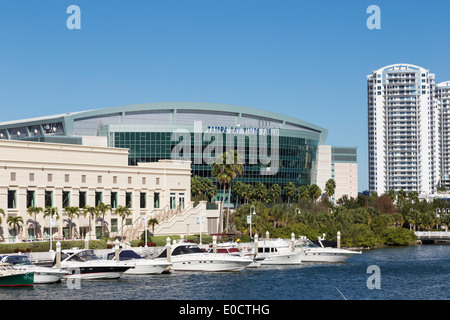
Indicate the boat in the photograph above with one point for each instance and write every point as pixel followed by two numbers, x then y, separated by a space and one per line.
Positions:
pixel 276 252
pixel 10 277
pixel 85 265
pixel 232 249
pixel 42 275
pixel 140 264
pixel 186 256
pixel 320 253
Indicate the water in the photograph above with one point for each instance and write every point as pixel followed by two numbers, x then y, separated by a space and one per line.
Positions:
pixel 407 273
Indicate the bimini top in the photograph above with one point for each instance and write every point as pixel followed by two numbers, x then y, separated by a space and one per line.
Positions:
pixel 178 114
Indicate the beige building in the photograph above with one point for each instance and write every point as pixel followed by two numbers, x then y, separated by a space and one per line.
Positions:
pixel 340 164
pixel 63 175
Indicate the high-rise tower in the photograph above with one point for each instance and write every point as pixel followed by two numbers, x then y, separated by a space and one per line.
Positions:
pixel 403 130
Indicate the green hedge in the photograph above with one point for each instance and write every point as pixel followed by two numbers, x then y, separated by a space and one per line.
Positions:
pixel 45 246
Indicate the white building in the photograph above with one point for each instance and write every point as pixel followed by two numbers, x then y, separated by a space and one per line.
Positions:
pixel 443 98
pixel 62 175
pixel 341 165
pixel 403 132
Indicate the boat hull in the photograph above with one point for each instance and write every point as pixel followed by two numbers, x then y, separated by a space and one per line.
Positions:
pixel 293 258
pixel 17 280
pixel 48 277
pixel 149 268
pixel 95 273
pixel 209 263
pixel 328 255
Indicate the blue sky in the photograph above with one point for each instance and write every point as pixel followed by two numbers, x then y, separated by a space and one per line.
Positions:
pixel 306 59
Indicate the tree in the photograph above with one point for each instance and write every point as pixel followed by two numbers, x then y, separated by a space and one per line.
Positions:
pixel 221 172
pixel 102 208
pixel 2 213
pixel 303 192
pixel 32 210
pixel 15 222
pixel 225 168
pixel 274 193
pixel 91 212
pixel 260 191
pixel 330 187
pixel 315 192
pixel 247 192
pixel 385 204
pixel 152 222
pixel 289 190
pixel 71 212
pixel 238 189
pixel 122 212
pixel 50 212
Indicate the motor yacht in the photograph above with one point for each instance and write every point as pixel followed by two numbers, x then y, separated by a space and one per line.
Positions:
pixel 84 264
pixel 320 253
pixel 275 252
pixel 232 249
pixel 10 277
pixel 190 257
pixel 42 275
pixel 140 264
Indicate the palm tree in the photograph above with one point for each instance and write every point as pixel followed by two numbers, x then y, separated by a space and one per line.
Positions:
pixel 123 212
pixel 102 209
pixel 315 192
pixel 222 173
pixel 92 212
pixel 50 212
pixel 15 222
pixel 152 222
pixel 289 190
pixel 2 213
pixel 260 191
pixel 71 212
pixel 274 192
pixel 34 210
pixel 330 187
pixel 235 169
pixel 303 192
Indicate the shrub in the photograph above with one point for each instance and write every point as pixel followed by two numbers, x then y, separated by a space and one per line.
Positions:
pixel 398 237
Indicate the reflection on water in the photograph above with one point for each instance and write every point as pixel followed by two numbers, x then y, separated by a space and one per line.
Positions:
pixel 417 272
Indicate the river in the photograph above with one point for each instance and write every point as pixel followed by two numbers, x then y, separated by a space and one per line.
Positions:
pixel 401 273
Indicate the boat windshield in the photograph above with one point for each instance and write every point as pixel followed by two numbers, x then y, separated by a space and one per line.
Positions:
pixel 83 256
pixel 183 249
pixel 187 249
pixel 17 260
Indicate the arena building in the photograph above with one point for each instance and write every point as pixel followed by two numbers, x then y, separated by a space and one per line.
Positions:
pixel 276 148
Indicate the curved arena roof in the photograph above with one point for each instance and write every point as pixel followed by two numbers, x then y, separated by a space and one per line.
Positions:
pixel 154 114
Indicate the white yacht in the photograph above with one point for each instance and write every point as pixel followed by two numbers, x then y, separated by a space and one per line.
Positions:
pixel 140 264
pixel 190 257
pixel 232 249
pixel 320 253
pixel 42 275
pixel 276 252
pixel 84 264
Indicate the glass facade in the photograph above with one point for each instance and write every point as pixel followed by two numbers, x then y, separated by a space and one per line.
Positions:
pixel 296 156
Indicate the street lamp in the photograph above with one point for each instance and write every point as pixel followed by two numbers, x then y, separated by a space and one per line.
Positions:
pixel 146 226
pixel 200 219
pixel 51 230
pixel 438 215
pixel 250 218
